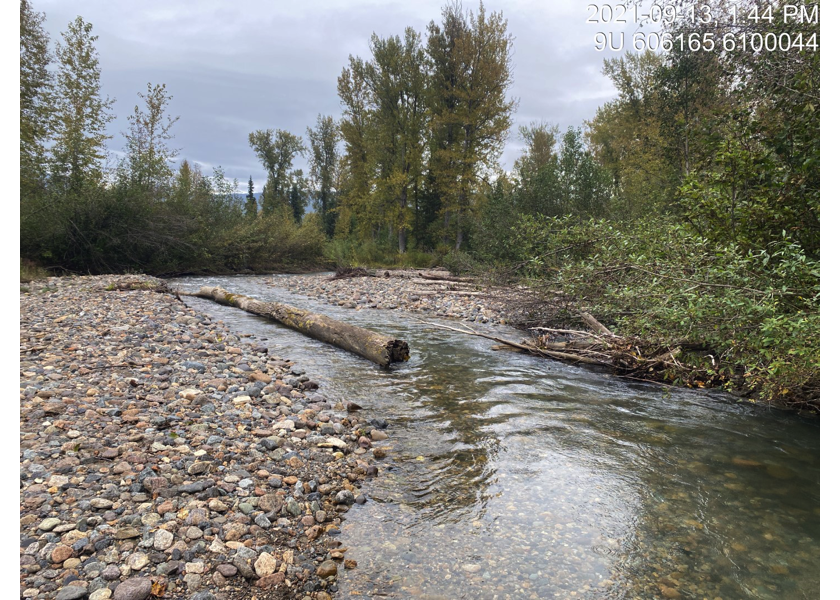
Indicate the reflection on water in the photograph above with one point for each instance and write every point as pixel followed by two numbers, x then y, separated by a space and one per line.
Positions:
pixel 513 477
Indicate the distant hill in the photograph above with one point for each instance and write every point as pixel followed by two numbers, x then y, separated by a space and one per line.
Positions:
pixel 308 207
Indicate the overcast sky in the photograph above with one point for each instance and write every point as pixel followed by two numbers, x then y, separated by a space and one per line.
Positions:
pixel 234 67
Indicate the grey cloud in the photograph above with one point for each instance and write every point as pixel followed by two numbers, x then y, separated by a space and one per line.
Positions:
pixel 233 67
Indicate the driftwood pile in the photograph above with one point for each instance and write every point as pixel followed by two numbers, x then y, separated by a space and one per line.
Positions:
pixel 140 285
pixel 348 272
pixel 626 356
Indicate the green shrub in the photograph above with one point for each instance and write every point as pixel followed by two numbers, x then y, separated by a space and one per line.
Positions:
pixel 265 243
pixel 30 271
pixel 379 254
pixel 458 263
pixel 753 317
pixel 417 259
pixel 195 228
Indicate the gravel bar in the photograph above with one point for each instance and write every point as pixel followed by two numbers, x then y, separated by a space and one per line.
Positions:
pixel 406 290
pixel 161 456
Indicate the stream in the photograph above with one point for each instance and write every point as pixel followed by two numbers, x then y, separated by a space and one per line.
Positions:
pixel 510 476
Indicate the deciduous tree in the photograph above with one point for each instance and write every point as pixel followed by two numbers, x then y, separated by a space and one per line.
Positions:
pixel 148 156
pixel 357 131
pixel 537 171
pixel 471 66
pixel 323 168
pixel 626 137
pixel 35 97
pixel 397 83
pixel 276 150
pixel 82 113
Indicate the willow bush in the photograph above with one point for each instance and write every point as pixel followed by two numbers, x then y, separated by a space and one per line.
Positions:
pixel 751 317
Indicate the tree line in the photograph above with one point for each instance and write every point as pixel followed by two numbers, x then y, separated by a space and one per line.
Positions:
pixel 422 127
pixel 83 211
pixel 685 210
pixel 411 163
pixel 421 130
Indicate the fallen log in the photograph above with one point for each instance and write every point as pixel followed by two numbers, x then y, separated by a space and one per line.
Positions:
pixel 662 358
pixel 522 347
pixel 132 286
pixel 572 345
pixel 348 272
pixel 506 348
pixel 575 332
pixel 367 344
pixel 445 285
pixel 594 324
pixel 434 277
pixel 439 292
pixel 627 357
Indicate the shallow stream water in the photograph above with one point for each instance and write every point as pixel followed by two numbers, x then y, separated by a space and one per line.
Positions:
pixel 510 476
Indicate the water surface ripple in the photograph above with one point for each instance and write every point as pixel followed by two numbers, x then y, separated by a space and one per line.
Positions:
pixel 514 477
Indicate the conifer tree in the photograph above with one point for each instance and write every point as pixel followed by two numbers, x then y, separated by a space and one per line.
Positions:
pixel 251 200
pixel 297 195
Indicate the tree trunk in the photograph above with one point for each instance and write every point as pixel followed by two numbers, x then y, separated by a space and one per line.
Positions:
pixel 445 237
pixel 367 344
pixel 435 277
pixel 459 234
pixel 401 233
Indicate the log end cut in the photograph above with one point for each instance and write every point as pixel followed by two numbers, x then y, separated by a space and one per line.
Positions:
pixel 397 350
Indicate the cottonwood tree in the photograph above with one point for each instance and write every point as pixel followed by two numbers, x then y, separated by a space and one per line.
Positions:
pixel 540 146
pixel 471 74
pixel 626 136
pixel 558 176
pixel 358 133
pixel 537 170
pixel 81 112
pixel 323 168
pixel 584 184
pixel 276 150
pixel 396 77
pixel 384 130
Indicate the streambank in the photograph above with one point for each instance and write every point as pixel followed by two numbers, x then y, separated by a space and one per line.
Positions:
pixel 436 294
